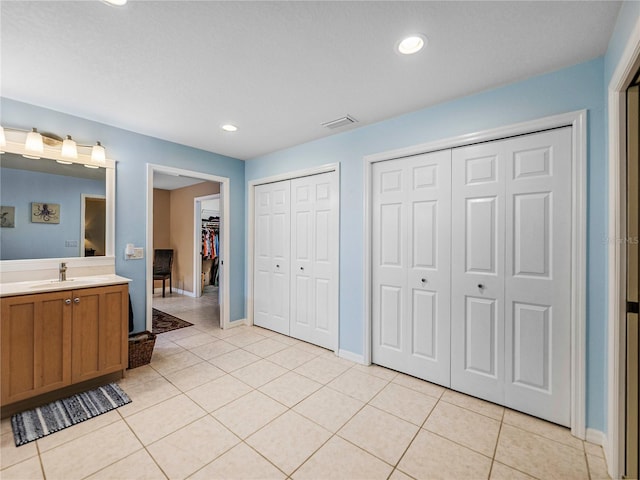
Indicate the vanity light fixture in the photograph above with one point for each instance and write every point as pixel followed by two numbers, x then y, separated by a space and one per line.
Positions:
pixel 69 148
pixel 412 44
pixel 229 128
pixel 34 144
pixel 3 140
pixel 91 166
pixel 98 153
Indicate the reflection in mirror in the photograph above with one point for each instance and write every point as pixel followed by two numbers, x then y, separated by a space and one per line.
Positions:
pixel 43 209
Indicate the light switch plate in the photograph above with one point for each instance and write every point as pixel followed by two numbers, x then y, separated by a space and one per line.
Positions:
pixel 138 253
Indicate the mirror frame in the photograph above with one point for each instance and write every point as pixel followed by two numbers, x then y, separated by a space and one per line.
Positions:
pixel 16 146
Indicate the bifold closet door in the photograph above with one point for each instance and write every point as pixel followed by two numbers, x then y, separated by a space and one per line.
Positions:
pixel 410 265
pixel 511 266
pixel 314 259
pixel 272 256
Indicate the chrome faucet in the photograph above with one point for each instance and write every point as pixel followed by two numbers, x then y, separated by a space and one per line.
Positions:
pixel 63 272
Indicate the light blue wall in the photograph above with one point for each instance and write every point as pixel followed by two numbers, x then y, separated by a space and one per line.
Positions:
pixel 133 151
pixel 575 88
pixel 18 188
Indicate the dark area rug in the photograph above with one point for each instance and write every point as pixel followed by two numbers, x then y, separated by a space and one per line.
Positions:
pixel 55 416
pixel 163 322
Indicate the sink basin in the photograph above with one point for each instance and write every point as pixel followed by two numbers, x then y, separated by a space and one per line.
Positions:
pixel 48 283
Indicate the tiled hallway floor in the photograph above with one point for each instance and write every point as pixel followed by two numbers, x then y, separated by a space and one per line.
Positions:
pixel 250 403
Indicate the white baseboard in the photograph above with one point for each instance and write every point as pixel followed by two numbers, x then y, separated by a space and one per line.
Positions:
pixel 596 437
pixel 354 357
pixel 238 323
pixel 175 290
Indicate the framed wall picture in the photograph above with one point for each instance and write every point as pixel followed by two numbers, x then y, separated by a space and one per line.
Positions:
pixel 7 217
pixel 45 212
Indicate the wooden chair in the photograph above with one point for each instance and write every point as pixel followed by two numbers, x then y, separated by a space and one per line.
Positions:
pixel 162 263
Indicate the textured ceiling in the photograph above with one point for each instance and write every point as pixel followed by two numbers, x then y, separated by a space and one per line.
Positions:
pixel 177 70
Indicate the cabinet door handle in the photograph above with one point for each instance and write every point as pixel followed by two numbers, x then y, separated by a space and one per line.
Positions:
pixel 68 301
pixel 76 300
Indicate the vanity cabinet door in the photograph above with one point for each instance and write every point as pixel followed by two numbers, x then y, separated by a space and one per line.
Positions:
pixel 100 330
pixel 35 336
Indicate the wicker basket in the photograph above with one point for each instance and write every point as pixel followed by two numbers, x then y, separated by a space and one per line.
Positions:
pixel 141 348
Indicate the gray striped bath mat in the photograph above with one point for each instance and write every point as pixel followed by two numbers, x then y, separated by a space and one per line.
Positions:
pixel 39 422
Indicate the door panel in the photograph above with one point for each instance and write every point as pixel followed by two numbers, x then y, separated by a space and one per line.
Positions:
pixel 410 265
pixel 272 247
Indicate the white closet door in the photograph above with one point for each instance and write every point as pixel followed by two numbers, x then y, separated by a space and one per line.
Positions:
pixel 538 275
pixel 410 265
pixel 314 254
pixel 511 273
pixel 272 254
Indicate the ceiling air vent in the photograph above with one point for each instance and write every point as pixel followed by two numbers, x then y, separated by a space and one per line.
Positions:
pixel 340 122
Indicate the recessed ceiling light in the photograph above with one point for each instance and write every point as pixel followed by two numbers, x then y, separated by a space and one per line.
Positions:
pixel 412 44
pixel 229 128
pixel 116 3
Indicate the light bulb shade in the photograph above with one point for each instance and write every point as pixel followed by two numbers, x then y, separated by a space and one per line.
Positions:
pixel 34 143
pixel 98 153
pixel 3 139
pixel 69 148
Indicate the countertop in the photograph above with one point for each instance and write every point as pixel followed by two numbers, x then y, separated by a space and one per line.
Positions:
pixel 54 285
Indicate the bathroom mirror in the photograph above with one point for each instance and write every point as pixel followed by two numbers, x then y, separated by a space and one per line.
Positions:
pixel 54 210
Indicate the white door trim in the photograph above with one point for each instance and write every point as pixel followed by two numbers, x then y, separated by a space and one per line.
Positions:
pixel 620 80
pixel 330 167
pixel 578 121
pixel 83 211
pixel 224 254
pixel 197 231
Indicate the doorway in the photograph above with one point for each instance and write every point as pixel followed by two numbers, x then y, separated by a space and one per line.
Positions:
pixel 206 235
pixel 187 185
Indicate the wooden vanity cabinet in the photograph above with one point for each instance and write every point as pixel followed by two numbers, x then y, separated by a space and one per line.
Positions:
pixel 53 340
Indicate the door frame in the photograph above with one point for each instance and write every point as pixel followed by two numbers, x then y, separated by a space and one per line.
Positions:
pixel 224 294
pixel 327 168
pixel 617 271
pixel 197 230
pixel 578 121
pixel 83 212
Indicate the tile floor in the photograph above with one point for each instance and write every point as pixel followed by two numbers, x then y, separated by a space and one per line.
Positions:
pixel 247 403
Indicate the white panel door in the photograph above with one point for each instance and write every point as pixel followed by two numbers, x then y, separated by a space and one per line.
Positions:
pixel 477 294
pixel 314 254
pixel 410 265
pixel 538 275
pixel 511 267
pixel 272 256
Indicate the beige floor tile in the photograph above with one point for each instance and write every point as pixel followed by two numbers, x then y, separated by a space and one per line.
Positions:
pixel 192 447
pixel 29 469
pixel 241 462
pixel 174 335
pixel 340 459
pixel 290 388
pixel 265 332
pixel 405 403
pixel 265 347
pixel 166 348
pixel 465 427
pixel 194 376
pixel 176 362
pixel 249 413
pixel 10 454
pixel 212 350
pixel 288 441
pixel 142 374
pixel 542 428
pixel 217 393
pixel 379 433
pixel 504 472
pixel 311 348
pixel 597 468
pixel 244 339
pixel 358 385
pixel 376 371
pixel 137 466
pixel 259 373
pixel 234 360
pixel 398 475
pixel 5 425
pixel 418 385
pixel 285 339
pixel 144 395
pixel 77 430
pixel 593 449
pixel 329 408
pixel 291 357
pixel 539 456
pixel 445 460
pixel 164 418
pixel 487 409
pixel 90 453
pixel 197 340
pixel 229 332
pixel 322 369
